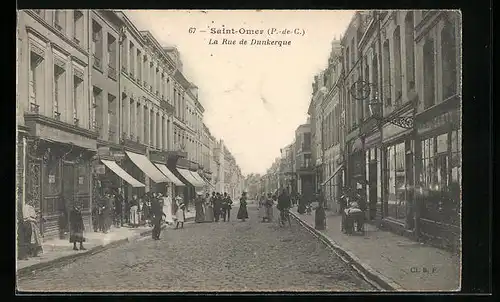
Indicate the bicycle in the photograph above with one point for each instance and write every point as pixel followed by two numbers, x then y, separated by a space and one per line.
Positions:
pixel 284 216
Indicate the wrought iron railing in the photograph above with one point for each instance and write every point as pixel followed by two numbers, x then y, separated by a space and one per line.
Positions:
pixel 57 115
pixel 76 40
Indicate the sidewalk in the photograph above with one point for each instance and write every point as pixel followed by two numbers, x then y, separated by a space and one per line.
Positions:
pixel 58 251
pixel 397 262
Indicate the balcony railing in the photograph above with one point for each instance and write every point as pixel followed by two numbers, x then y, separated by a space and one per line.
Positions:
pixel 76 40
pixel 34 108
pixel 112 72
pixel 124 69
pixel 97 63
pixel 76 121
pixel 58 27
pixel 57 115
pixel 144 83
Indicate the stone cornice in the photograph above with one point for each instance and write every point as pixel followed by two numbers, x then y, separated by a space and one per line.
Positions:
pixel 41 119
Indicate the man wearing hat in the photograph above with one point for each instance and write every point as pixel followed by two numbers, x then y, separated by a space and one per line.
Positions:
pixel 157 215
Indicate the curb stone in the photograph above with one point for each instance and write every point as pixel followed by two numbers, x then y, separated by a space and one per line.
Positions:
pixel 372 275
pixel 58 262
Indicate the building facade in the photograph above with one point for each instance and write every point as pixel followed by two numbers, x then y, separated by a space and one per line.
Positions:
pixel 103 107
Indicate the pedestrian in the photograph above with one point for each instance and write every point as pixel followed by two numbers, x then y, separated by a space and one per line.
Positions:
pixel 167 208
pixel 198 203
pixel 157 215
pixel 134 211
pixel 179 215
pixel 228 202
pixel 284 204
pixel 76 227
pixel 146 209
pixel 270 200
pixel 95 216
pixel 31 240
pixel 209 209
pixel 215 204
pixel 118 210
pixel 140 210
pixel 242 211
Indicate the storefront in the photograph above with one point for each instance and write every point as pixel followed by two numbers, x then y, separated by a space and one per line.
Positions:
pixel 355 164
pixel 438 164
pixel 57 172
pixel 398 202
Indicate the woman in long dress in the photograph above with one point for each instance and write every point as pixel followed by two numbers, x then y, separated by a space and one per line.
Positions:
pixel 76 228
pixel 32 239
pixel 262 208
pixel 209 209
pixel 167 209
pixel 200 213
pixel 134 212
pixel 242 212
pixel 179 214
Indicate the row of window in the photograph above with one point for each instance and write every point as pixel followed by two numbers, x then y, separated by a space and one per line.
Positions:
pixel 59 20
pixel 393 73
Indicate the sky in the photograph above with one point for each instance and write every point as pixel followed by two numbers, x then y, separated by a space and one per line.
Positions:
pixel 254 96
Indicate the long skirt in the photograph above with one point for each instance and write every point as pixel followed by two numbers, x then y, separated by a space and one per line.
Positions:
pixel 32 238
pixel 134 216
pixel 209 214
pixel 269 213
pixel 180 215
pixel 167 209
pixel 262 212
pixel 200 215
pixel 242 212
pixel 76 236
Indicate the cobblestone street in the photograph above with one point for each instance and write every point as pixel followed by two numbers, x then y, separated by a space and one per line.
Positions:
pixel 234 256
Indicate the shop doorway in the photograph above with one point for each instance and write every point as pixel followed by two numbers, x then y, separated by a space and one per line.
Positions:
pixel 68 196
pixel 372 189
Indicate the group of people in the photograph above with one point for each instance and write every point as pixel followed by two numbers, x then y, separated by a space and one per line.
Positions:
pixel 218 206
pixel 283 204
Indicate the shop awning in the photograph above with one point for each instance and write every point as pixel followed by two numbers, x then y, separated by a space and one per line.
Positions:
pixel 208 182
pixel 169 175
pixel 189 177
pixel 143 163
pixel 199 179
pixel 334 173
pixel 122 173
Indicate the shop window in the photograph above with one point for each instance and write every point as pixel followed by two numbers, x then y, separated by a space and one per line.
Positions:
pixel 397 186
pixel 83 173
pixel 52 178
pixel 440 167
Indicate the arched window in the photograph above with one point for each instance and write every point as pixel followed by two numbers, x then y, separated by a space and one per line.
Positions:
pixel 410 48
pixel 397 65
pixel 449 59
pixel 429 74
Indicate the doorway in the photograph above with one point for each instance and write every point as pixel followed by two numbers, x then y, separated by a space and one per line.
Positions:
pixel 372 188
pixel 68 196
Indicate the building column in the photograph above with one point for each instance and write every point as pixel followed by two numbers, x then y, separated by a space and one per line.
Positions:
pixel 153 80
pixel 153 140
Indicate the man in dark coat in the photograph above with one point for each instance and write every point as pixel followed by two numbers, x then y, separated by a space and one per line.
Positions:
pixel 284 203
pixel 226 206
pixel 214 200
pixel 76 227
pixel 157 215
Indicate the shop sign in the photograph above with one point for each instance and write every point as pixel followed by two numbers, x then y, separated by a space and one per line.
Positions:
pixel 80 180
pixel 447 118
pixel 118 155
pixel 52 179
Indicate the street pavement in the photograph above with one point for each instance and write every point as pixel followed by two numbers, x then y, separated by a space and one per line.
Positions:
pixel 224 256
